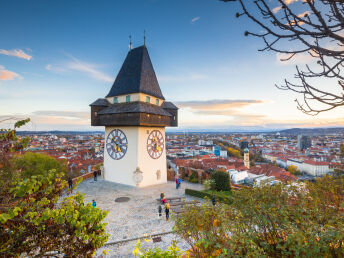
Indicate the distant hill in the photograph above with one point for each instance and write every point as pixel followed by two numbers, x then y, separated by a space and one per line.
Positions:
pixel 313 131
pixel 59 132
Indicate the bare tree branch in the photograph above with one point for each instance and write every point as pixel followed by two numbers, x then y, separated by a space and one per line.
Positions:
pixel 311 28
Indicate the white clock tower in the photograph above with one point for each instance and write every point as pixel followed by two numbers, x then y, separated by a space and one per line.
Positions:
pixel 135 115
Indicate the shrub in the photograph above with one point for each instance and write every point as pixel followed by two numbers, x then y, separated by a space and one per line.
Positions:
pixel 303 220
pixel 221 180
pixel 205 195
pixel 193 178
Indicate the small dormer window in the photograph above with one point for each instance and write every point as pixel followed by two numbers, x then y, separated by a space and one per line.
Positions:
pixel 147 99
pixel 115 100
pixel 157 101
pixel 127 98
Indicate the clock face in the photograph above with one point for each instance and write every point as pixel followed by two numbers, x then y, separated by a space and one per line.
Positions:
pixel 116 144
pixel 155 144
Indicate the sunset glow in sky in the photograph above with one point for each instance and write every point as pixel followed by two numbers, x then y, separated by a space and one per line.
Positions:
pixel 57 57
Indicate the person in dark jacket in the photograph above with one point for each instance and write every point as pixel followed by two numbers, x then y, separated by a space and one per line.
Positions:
pixel 94 204
pixel 159 211
pixel 70 183
pixel 167 210
pixel 95 175
pixel 213 200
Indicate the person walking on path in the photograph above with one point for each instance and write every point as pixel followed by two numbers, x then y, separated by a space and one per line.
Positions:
pixel 213 200
pixel 159 211
pixel 70 183
pixel 94 204
pixel 177 183
pixel 167 211
pixel 95 175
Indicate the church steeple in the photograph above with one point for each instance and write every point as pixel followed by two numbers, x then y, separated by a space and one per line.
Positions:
pixel 137 75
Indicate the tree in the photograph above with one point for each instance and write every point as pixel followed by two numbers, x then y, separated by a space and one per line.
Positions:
pixel 9 143
pixel 294 170
pixel 233 152
pixel 37 218
pixel 222 180
pixel 281 221
pixel 341 148
pixel 306 28
pixel 30 164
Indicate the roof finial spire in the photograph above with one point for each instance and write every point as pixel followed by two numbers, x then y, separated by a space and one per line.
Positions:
pixel 144 37
pixel 130 44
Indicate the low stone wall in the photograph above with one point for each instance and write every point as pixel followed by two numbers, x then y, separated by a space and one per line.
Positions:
pixel 86 176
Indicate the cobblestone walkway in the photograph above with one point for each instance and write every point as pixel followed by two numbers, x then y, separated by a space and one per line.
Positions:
pixel 136 217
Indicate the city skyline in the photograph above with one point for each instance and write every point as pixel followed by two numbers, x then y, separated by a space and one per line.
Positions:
pixel 56 57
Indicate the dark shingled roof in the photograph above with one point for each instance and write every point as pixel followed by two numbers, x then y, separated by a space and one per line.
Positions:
pixel 101 102
pixel 169 105
pixel 136 75
pixel 134 107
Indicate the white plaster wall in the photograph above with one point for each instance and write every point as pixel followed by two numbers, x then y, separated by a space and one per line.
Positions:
pixel 122 171
pixel 148 165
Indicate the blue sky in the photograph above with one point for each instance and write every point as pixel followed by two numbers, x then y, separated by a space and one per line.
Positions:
pixel 57 57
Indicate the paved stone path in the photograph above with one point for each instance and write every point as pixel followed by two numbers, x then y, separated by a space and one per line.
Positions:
pixel 136 217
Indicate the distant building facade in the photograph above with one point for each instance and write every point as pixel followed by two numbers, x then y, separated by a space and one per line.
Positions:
pixel 216 150
pixel 304 142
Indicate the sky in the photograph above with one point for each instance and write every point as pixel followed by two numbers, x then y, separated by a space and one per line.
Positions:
pixel 57 57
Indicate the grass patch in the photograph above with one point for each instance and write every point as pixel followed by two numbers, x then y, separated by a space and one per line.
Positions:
pixel 223 196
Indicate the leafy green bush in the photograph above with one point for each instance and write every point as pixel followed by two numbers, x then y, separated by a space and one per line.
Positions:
pixel 221 180
pixel 172 251
pixel 193 178
pixel 204 195
pixel 33 164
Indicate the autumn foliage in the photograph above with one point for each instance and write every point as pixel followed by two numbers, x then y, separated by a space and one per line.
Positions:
pixel 37 216
pixel 281 221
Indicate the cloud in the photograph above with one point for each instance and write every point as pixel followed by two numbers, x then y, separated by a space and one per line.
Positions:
pixel 6 75
pixel 80 66
pixel 276 9
pixel 297 22
pixel 193 20
pixel 217 105
pixel 50 120
pixel 17 53
pixel 63 114
pixel 287 2
pixel 301 58
pixel 221 111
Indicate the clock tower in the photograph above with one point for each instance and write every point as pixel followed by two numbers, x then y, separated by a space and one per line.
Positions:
pixel 135 114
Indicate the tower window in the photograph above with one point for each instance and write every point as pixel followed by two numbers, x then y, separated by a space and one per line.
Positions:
pixel 157 101
pixel 127 98
pixel 115 100
pixel 147 99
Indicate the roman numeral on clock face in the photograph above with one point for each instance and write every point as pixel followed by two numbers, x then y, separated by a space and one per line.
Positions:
pixel 116 144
